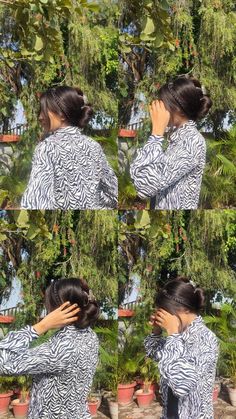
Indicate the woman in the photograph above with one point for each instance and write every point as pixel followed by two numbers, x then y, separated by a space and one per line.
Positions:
pixel 69 169
pixel 172 177
pixel 64 366
pixel 187 357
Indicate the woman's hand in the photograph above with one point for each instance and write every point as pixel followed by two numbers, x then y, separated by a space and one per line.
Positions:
pixel 156 329
pixel 160 117
pixel 167 321
pixel 62 316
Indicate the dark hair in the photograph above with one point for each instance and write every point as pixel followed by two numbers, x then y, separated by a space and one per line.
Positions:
pixel 185 96
pixel 179 295
pixel 77 291
pixel 67 102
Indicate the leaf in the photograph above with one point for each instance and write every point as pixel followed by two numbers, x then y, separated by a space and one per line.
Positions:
pixel 44 1
pixel 38 43
pixel 2 237
pixel 149 27
pixel 164 4
pixel 21 218
pixel 143 220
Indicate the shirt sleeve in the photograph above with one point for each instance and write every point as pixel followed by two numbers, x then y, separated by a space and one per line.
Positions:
pixel 182 372
pixel 154 170
pixel 16 358
pixel 108 185
pixel 154 345
pixel 40 190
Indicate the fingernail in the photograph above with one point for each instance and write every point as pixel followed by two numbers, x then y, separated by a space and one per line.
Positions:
pixel 76 305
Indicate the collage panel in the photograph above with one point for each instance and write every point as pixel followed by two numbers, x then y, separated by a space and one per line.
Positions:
pixel 58 95
pixel 177 318
pixel 177 106
pixel 58 322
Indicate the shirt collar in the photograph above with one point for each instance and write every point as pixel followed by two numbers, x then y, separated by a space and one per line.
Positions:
pixel 69 129
pixel 194 325
pixel 174 134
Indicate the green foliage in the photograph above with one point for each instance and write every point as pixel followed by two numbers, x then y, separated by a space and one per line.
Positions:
pixel 156 245
pixel 6 384
pixel 39 245
pixel 106 373
pixel 223 324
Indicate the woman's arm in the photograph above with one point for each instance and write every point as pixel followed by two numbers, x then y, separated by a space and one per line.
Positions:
pixel 154 345
pixel 154 170
pixel 181 372
pixel 108 186
pixel 15 356
pixel 40 189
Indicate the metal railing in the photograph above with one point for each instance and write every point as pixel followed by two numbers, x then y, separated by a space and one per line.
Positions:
pixel 19 129
pixel 131 305
pixel 13 311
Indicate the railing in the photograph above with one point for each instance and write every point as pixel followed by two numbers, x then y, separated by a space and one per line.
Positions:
pixel 131 305
pixel 13 311
pixel 19 129
pixel 136 125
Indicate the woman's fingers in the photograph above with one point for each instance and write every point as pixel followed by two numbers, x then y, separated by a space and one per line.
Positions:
pixel 71 320
pixel 63 306
pixel 72 313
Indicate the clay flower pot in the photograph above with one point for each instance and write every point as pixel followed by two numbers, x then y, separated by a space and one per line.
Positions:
pixel 123 312
pixel 144 399
pixel 232 395
pixel 93 405
pixel 20 409
pixel 154 387
pixel 9 138
pixel 216 391
pixel 5 399
pixel 125 393
pixel 127 133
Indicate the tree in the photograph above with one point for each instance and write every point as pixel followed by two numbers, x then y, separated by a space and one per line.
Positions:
pixel 37 246
pixel 158 245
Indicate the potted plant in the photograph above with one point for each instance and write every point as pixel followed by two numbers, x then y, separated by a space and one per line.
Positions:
pixel 150 375
pixel 93 404
pixel 216 390
pixel 232 388
pixel 6 384
pixel 126 371
pixel 21 404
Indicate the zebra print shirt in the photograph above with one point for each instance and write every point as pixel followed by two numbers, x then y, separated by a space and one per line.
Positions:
pixel 70 171
pixel 173 176
pixel 62 370
pixel 187 364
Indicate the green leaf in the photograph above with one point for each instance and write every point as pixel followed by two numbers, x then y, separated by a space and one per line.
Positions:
pixel 164 4
pixel 21 218
pixel 143 220
pixel 38 43
pixel 2 237
pixel 44 1
pixel 149 27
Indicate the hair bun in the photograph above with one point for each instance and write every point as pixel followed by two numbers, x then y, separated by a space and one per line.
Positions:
pixel 86 115
pixel 200 298
pixel 205 105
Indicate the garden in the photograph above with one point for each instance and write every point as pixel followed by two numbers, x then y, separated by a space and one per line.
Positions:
pixel 162 40
pixel 37 246
pixel 154 247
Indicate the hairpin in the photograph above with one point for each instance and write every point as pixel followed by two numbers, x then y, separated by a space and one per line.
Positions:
pixel 176 299
pixel 54 290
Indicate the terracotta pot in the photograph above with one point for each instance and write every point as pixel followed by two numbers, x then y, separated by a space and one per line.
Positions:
pixel 113 408
pixel 125 393
pixel 6 319
pixel 232 395
pixel 5 399
pixel 216 392
pixel 7 138
pixel 122 312
pixel 20 410
pixel 127 133
pixel 144 399
pixel 93 407
pixel 154 387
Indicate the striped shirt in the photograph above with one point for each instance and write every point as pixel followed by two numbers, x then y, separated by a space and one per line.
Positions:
pixel 70 171
pixel 173 176
pixel 187 364
pixel 62 370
